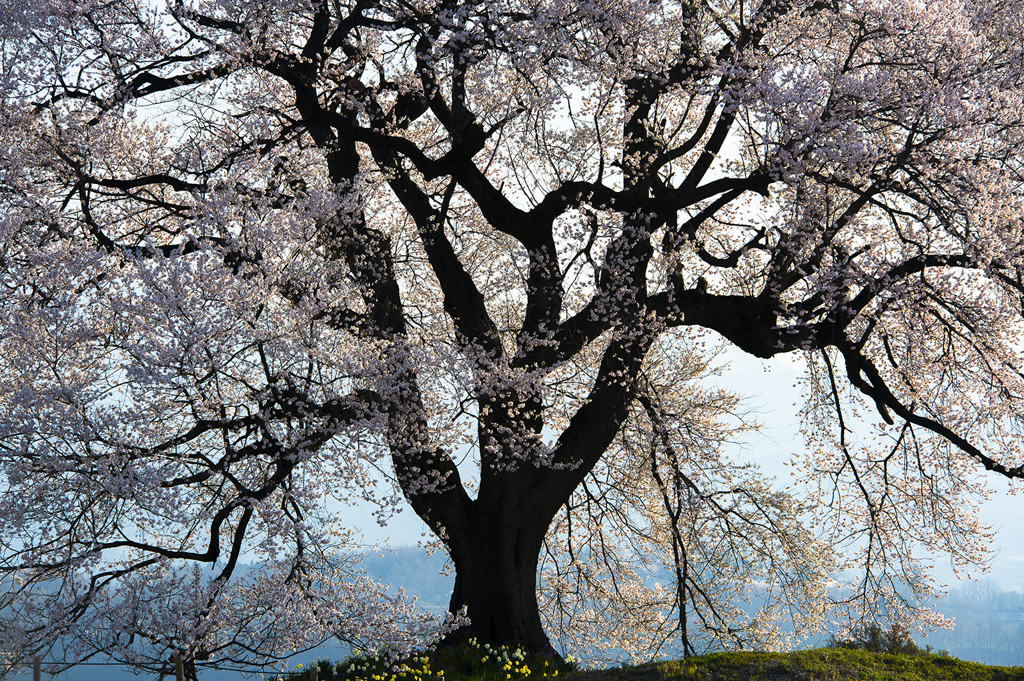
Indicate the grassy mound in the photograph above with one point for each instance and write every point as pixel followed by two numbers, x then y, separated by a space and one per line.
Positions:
pixel 823 664
pixel 472 662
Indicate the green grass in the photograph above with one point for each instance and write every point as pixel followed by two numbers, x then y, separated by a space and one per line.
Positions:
pixel 471 662
pixel 823 664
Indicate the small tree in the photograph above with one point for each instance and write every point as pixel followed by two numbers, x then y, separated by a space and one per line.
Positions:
pixel 871 637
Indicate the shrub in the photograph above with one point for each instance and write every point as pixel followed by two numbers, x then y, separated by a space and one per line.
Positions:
pixel 895 640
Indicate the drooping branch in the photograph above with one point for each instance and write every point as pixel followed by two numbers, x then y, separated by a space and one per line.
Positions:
pixel 866 378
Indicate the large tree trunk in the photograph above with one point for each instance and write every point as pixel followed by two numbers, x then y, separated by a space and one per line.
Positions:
pixel 495 560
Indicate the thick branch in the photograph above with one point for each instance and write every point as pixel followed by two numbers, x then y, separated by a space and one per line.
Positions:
pixel 865 377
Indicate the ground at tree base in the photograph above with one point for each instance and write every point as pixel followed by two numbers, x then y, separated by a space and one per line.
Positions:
pixel 822 664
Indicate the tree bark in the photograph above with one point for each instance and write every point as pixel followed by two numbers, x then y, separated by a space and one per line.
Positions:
pixel 495 559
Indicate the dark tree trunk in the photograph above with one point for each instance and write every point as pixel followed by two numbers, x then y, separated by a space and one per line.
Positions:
pixel 500 602
pixel 495 559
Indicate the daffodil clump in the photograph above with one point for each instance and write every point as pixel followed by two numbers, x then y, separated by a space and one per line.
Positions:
pixel 502 664
pixel 468 661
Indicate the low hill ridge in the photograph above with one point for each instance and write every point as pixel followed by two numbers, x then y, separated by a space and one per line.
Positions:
pixel 822 664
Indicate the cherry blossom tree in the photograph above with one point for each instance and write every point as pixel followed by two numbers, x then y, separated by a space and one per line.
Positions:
pixel 257 255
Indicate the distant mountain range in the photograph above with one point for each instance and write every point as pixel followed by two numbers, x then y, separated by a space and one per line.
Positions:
pixel 989 620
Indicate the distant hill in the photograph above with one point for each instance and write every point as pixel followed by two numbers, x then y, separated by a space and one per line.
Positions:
pixel 410 568
pixel 989 620
pixel 989 624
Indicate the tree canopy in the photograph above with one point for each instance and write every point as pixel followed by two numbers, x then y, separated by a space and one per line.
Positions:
pixel 261 257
